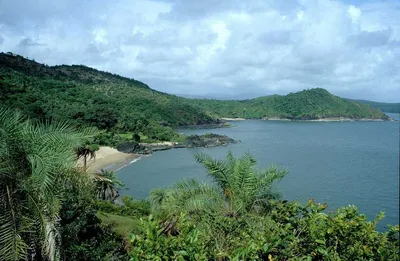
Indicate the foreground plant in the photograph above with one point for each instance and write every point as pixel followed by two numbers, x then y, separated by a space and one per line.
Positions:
pixel 107 185
pixel 36 160
pixel 240 217
pixel 238 188
pixel 291 231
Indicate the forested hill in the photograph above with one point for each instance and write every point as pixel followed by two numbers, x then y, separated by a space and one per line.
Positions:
pixel 112 102
pixel 89 96
pixel 305 105
pixel 383 106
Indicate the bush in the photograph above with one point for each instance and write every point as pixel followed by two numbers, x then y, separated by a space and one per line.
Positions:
pixel 290 232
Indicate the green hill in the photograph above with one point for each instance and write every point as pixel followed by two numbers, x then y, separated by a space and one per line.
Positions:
pixel 383 106
pixel 92 97
pixel 305 105
pixel 118 104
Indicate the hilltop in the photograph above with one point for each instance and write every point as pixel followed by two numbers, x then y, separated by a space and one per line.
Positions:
pixel 310 104
pixel 122 105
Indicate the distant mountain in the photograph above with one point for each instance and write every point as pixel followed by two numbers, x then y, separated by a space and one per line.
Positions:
pixel 383 106
pixel 109 101
pixel 304 105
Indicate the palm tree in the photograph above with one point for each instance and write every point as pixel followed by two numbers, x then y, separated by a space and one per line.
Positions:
pixel 86 153
pixel 238 188
pixel 35 161
pixel 107 185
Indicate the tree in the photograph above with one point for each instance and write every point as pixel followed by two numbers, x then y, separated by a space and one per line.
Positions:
pixel 107 185
pixel 238 188
pixel 35 161
pixel 86 152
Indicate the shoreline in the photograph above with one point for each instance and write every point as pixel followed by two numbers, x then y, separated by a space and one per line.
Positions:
pixel 334 119
pixel 108 158
pixel 328 120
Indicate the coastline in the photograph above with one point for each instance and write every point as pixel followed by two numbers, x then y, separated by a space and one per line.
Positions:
pixel 327 120
pixel 334 119
pixel 110 159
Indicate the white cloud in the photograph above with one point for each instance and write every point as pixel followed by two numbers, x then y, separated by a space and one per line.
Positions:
pixel 354 13
pixel 230 46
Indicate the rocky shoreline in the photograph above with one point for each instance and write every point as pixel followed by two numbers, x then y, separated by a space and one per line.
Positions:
pixel 193 141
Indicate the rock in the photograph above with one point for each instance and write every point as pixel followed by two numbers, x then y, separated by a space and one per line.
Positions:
pixel 193 141
pixel 133 147
pixel 208 140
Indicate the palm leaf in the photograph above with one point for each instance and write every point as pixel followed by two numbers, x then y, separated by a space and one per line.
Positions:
pixel 36 160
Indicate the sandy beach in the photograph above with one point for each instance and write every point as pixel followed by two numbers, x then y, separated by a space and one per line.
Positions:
pixel 109 157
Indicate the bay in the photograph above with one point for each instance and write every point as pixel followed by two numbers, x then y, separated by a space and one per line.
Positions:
pixel 338 163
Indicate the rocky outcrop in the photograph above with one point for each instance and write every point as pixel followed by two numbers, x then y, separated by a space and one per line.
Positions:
pixel 193 141
pixel 208 140
pixel 133 147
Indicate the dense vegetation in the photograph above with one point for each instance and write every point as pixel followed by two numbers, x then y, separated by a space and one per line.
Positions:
pixel 305 105
pixel 120 105
pixel 47 209
pixel 52 209
pixel 92 97
pixel 383 106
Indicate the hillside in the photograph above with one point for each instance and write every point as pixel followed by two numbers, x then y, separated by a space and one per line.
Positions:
pixel 383 106
pixel 304 105
pixel 92 97
pixel 111 102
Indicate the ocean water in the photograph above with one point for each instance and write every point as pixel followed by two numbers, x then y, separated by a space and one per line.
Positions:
pixel 338 163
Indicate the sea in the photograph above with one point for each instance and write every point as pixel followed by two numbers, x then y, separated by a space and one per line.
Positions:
pixel 338 163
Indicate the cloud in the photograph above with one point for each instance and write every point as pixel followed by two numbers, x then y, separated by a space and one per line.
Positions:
pixel 26 42
pixel 218 47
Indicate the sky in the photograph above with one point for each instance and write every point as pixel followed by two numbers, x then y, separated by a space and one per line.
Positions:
pixel 218 48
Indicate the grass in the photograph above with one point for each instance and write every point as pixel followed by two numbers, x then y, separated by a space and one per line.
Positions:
pixel 181 138
pixel 127 136
pixel 121 225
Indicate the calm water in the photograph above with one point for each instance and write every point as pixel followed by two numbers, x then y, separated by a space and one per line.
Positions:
pixel 340 163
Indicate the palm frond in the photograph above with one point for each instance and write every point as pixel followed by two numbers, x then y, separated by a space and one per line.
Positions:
pixel 270 175
pixel 216 169
pixel 12 246
pixel 36 161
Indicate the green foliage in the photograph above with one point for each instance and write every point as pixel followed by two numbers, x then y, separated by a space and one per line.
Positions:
pixel 151 243
pixel 128 207
pixel 84 236
pixel 124 217
pixel 91 97
pixel 36 163
pixel 47 205
pixel 107 185
pixel 122 226
pixel 239 188
pixel 290 232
